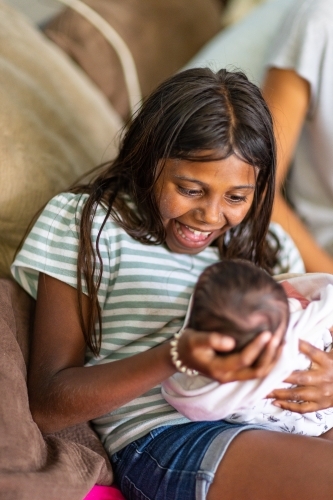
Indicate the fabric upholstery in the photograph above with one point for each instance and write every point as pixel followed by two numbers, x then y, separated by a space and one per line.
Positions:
pixel 55 125
pixel 162 37
pixel 64 465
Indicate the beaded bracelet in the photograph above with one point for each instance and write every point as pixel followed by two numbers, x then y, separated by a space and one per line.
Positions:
pixel 175 357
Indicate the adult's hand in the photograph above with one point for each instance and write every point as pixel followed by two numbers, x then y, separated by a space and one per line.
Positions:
pixel 202 351
pixel 313 389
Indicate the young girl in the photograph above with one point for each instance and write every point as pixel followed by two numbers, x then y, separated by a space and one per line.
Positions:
pixel 113 264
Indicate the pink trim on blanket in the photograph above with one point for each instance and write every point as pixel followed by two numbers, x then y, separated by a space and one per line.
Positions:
pixel 104 493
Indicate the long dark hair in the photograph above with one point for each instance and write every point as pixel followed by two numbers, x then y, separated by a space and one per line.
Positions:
pixel 228 292
pixel 195 111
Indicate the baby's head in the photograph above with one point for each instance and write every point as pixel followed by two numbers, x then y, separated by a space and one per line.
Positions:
pixel 237 298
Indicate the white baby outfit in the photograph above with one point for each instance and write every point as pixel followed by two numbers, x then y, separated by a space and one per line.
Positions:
pixel 201 398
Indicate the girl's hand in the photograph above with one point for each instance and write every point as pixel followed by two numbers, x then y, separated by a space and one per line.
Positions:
pixel 200 350
pixel 314 387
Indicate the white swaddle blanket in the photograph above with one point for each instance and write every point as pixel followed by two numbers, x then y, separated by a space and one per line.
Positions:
pixel 200 398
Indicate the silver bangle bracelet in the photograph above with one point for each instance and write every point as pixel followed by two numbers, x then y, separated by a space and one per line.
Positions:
pixel 175 357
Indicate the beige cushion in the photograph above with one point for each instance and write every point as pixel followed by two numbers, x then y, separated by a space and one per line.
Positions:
pixel 55 125
pixel 161 35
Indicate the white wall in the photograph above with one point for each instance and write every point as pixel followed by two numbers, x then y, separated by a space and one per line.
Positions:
pixel 37 10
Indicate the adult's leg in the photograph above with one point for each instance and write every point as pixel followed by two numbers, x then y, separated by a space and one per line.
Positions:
pixel 264 464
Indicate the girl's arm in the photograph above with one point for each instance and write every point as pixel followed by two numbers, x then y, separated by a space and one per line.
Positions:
pixel 288 97
pixel 63 392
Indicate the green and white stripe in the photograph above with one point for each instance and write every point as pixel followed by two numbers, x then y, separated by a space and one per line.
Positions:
pixel 144 296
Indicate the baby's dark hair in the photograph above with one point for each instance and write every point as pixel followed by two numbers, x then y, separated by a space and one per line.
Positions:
pixel 228 292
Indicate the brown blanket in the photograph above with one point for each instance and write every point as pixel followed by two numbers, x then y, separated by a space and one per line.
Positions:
pixel 61 466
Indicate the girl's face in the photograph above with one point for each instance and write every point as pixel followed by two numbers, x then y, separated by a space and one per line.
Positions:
pixel 199 201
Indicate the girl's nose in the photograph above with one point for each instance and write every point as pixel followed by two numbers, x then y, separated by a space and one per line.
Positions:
pixel 212 214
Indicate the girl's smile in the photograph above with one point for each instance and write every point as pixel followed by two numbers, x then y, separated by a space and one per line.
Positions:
pixel 199 201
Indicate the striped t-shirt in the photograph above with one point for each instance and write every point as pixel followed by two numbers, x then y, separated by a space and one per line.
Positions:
pixel 144 294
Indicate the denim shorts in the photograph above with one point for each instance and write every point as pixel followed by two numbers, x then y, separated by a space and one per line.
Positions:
pixel 174 462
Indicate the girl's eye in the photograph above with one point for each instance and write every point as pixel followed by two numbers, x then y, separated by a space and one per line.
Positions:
pixel 237 199
pixel 190 192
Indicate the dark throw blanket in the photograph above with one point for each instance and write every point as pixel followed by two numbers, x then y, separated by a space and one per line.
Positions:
pixel 61 466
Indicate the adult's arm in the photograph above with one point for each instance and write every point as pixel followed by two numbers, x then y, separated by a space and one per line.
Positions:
pixel 63 392
pixel 312 389
pixel 288 96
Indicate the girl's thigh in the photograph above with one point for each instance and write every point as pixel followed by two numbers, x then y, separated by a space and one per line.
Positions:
pixel 261 465
pixel 176 462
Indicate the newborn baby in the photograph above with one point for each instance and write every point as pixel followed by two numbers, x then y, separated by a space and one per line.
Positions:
pixel 236 298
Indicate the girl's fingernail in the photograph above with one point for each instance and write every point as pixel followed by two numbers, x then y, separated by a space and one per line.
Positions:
pixel 275 403
pixel 228 342
pixel 265 337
